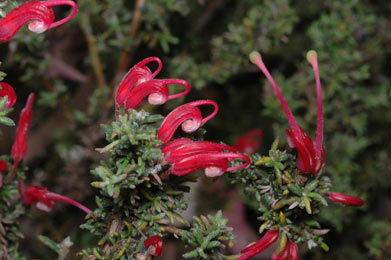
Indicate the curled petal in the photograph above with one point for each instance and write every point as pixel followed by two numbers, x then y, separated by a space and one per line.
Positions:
pixel 308 160
pixel 281 256
pixel 36 194
pixel 182 149
pixel 156 90
pixel 35 11
pixel 19 148
pixel 7 90
pixel 188 115
pixel 215 163
pixel 40 13
pixel 139 73
pixel 293 251
pixel 249 142
pixel 177 143
pixel 154 245
pixel 345 199
pixel 3 166
pixel 261 245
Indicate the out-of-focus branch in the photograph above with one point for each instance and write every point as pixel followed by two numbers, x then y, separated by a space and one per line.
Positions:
pixel 95 59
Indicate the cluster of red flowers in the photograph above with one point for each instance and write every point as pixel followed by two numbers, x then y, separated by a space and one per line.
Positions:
pixel 183 154
pixel 41 15
pixel 310 160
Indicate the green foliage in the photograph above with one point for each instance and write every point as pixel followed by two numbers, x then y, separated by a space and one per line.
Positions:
pixel 133 203
pixel 11 210
pixel 285 199
pixel 208 235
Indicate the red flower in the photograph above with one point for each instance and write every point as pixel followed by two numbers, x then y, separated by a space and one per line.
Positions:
pixel 40 13
pixel 19 148
pixel 188 115
pixel 154 245
pixel 45 199
pixel 345 199
pixel 289 252
pixel 186 156
pixel 139 82
pixel 7 90
pixel 156 90
pixel 249 142
pixel 310 154
pixel 3 168
pixel 261 245
pixel 139 73
pixel 181 148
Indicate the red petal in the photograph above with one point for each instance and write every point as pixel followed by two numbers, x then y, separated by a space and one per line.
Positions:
pixel 19 148
pixel 31 11
pixel 156 242
pixel 261 245
pixel 345 199
pixel 7 90
pixel 34 194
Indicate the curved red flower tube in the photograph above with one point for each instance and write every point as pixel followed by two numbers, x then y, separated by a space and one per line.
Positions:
pixel 154 245
pixel 3 168
pixel 139 73
pixel 188 115
pixel 45 199
pixel 345 199
pixel 182 148
pixel 271 236
pixel 261 245
pixel 215 164
pixel 310 154
pixel 19 148
pixel 156 90
pixel 7 90
pixel 40 13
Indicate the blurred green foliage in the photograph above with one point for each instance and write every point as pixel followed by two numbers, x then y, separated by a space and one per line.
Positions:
pixel 75 68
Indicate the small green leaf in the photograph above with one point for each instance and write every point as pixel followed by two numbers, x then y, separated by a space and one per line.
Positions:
pixel 50 243
pixel 6 121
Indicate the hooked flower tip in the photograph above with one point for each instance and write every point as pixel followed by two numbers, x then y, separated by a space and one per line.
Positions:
pixel 312 56
pixel 254 55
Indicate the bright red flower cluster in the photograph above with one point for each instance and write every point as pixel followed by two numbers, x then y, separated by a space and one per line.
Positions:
pixel 183 154
pixel 7 90
pixel 310 154
pixel 140 82
pixel 40 13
